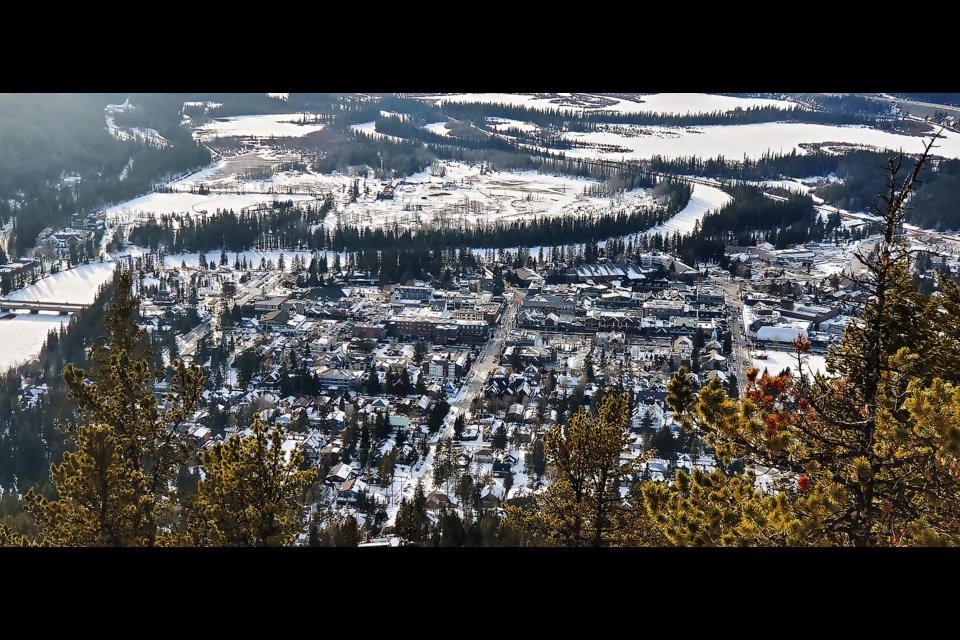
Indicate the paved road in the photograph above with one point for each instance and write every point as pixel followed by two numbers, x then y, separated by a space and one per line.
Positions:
pixel 263 282
pixel 741 351
pixel 490 356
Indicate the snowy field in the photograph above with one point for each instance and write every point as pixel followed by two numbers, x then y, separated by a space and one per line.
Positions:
pixel 653 103
pixel 462 197
pixel 154 205
pixel 22 336
pixel 703 200
pixel 280 125
pixel 439 128
pixel 830 267
pixel 789 185
pixel 150 136
pixel 228 175
pixel 697 103
pixel 78 285
pixel 502 124
pixel 751 140
pixel 777 361
pixel 370 129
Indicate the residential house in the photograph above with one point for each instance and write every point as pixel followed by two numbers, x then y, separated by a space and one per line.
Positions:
pixel 492 496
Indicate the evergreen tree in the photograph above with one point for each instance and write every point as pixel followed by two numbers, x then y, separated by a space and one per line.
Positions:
pixel 499 440
pixel 373 383
pixel 443 462
pixel 350 532
pixel 538 459
pixel 419 351
pixel 437 415
pixel 583 507
pixel 252 491
pixel 412 524
pixel 868 454
pixel 115 488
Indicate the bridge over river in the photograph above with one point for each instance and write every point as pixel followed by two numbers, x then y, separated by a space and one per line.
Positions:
pixel 36 306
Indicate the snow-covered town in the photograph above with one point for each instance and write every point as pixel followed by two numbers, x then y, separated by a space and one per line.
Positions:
pixel 441 381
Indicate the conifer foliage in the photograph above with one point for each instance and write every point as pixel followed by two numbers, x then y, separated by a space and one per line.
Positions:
pixel 115 488
pixel 117 485
pixel 252 491
pixel 866 455
pixel 583 505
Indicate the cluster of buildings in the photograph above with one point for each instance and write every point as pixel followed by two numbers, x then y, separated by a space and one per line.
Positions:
pixel 336 360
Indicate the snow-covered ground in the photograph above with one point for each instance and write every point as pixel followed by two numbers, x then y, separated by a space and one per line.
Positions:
pixel 150 136
pixel 653 103
pixel 204 105
pixel 698 103
pixel 370 129
pixel 777 361
pixel 78 285
pixel 751 140
pixel 461 195
pixel 192 260
pixel 280 125
pixel 832 266
pixel 703 200
pixel 155 204
pixel 464 197
pixel 22 336
pixel 502 124
pixel 439 128
pixel 230 175
pixel 789 185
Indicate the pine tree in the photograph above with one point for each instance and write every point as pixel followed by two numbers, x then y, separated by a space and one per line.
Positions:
pixel 499 439
pixel 252 492
pixel 583 506
pixel 867 456
pixel 443 462
pixel 115 488
pixel 419 351
pixel 350 532
pixel 373 383
pixel 412 524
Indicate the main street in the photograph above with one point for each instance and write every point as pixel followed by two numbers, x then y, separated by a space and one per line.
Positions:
pixel 490 355
pixel 741 350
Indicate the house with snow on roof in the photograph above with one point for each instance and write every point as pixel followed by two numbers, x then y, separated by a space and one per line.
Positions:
pixel 492 496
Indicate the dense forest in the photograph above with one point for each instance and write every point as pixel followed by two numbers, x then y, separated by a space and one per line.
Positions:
pixel 45 138
pixel 584 120
pixel 858 179
pixel 935 98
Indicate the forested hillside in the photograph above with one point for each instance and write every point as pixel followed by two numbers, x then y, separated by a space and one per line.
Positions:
pixel 47 137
